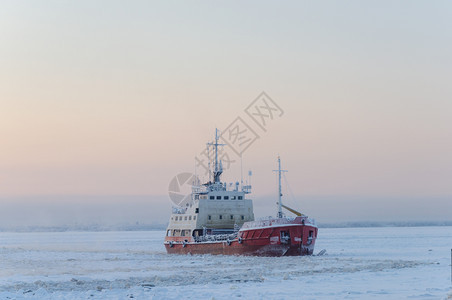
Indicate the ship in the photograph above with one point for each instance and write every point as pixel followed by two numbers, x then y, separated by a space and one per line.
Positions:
pixel 218 219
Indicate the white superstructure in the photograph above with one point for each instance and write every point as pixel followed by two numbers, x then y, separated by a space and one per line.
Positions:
pixel 214 208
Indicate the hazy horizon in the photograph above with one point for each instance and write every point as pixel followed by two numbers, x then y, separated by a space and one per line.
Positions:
pixel 103 103
pixel 77 211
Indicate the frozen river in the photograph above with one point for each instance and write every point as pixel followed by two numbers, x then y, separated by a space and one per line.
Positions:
pixel 360 263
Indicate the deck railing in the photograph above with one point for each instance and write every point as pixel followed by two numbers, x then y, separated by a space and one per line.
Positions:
pixel 215 237
pixel 270 221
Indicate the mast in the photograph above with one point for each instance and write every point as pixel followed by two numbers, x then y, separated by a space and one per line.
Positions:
pixel 280 213
pixel 218 168
pixel 279 189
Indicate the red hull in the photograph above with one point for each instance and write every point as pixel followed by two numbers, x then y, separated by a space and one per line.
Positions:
pixel 265 238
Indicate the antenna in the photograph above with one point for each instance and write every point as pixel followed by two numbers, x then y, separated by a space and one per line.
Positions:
pixel 241 170
pixel 208 164
pixel 195 173
pixel 280 213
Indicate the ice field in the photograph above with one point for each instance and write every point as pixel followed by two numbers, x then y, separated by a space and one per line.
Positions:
pixel 360 263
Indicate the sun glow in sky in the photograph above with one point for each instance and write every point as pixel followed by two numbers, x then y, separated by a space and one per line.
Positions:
pixel 108 99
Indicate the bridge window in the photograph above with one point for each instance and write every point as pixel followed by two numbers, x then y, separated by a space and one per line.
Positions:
pixel 212 197
pixel 232 197
pixel 226 197
pixel 218 197
pixel 240 197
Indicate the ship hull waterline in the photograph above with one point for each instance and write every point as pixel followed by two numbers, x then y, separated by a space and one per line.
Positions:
pixel 270 245
pixel 235 248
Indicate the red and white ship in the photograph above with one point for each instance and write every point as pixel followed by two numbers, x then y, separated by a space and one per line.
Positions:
pixel 220 220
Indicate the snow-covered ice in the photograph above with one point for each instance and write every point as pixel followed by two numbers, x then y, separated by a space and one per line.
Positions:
pixel 360 263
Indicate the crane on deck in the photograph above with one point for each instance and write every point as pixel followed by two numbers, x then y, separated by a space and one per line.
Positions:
pixel 297 213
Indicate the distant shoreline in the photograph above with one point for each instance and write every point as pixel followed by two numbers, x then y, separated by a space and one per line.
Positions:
pixel 154 227
pixel 365 224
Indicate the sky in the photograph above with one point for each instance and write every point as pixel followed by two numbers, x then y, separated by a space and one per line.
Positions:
pixel 102 103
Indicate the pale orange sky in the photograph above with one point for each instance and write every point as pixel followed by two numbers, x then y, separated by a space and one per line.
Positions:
pixel 113 98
